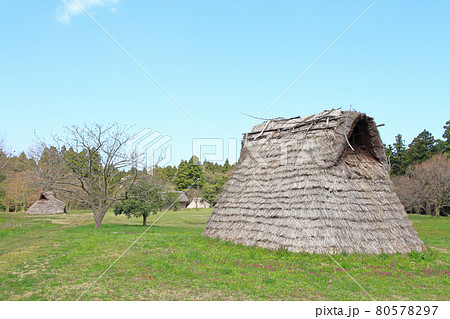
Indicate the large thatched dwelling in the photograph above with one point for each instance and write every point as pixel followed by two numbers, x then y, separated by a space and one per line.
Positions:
pixel 47 204
pixel 315 184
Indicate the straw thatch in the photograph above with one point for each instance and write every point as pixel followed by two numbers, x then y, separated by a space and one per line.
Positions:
pixel 47 204
pixel 316 184
pixel 181 198
pixel 198 202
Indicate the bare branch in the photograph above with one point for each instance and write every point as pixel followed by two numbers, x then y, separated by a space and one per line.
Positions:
pixel 92 165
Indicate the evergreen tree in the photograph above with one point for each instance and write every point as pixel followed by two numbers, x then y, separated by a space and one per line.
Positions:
pixel 170 172
pixel 398 159
pixel 189 174
pixel 226 166
pixel 421 148
pixel 446 136
pixel 214 182
pixel 181 179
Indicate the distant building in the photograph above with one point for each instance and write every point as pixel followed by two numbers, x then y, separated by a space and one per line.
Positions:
pixel 182 199
pixel 198 202
pixel 47 204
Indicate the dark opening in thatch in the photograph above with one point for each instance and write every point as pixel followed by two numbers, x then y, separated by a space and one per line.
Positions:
pixel 315 184
pixel 363 139
pixel 43 196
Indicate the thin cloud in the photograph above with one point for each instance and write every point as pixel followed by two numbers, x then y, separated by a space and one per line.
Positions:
pixel 70 8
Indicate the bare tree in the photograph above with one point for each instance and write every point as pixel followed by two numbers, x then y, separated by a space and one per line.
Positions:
pixel 425 186
pixel 91 163
pixel 435 174
pixel 404 189
pixel 48 168
pixel 19 189
pixel 5 156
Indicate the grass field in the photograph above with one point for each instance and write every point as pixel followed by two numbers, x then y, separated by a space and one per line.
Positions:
pixel 59 257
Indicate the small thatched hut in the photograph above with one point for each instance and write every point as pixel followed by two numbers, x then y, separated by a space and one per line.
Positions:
pixel 198 202
pixel 181 198
pixel 47 204
pixel 315 184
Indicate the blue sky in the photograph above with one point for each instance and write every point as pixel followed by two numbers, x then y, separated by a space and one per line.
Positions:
pixel 218 59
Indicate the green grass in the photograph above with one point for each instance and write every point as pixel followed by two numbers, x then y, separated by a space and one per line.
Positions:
pixel 58 257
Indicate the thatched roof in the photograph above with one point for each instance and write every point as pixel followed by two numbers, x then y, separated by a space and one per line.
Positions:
pixel 198 202
pixel 315 184
pixel 181 196
pixel 47 204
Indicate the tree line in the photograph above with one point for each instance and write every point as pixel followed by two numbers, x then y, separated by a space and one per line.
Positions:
pixel 90 167
pixel 420 171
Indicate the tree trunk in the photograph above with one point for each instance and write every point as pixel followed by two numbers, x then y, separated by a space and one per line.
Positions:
pixel 196 202
pixel 429 209
pixel 99 219
pixel 98 223
pixel 437 211
pixel 144 223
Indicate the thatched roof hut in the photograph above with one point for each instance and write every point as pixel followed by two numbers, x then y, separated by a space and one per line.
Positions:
pixel 47 204
pixel 315 184
pixel 198 202
pixel 181 199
